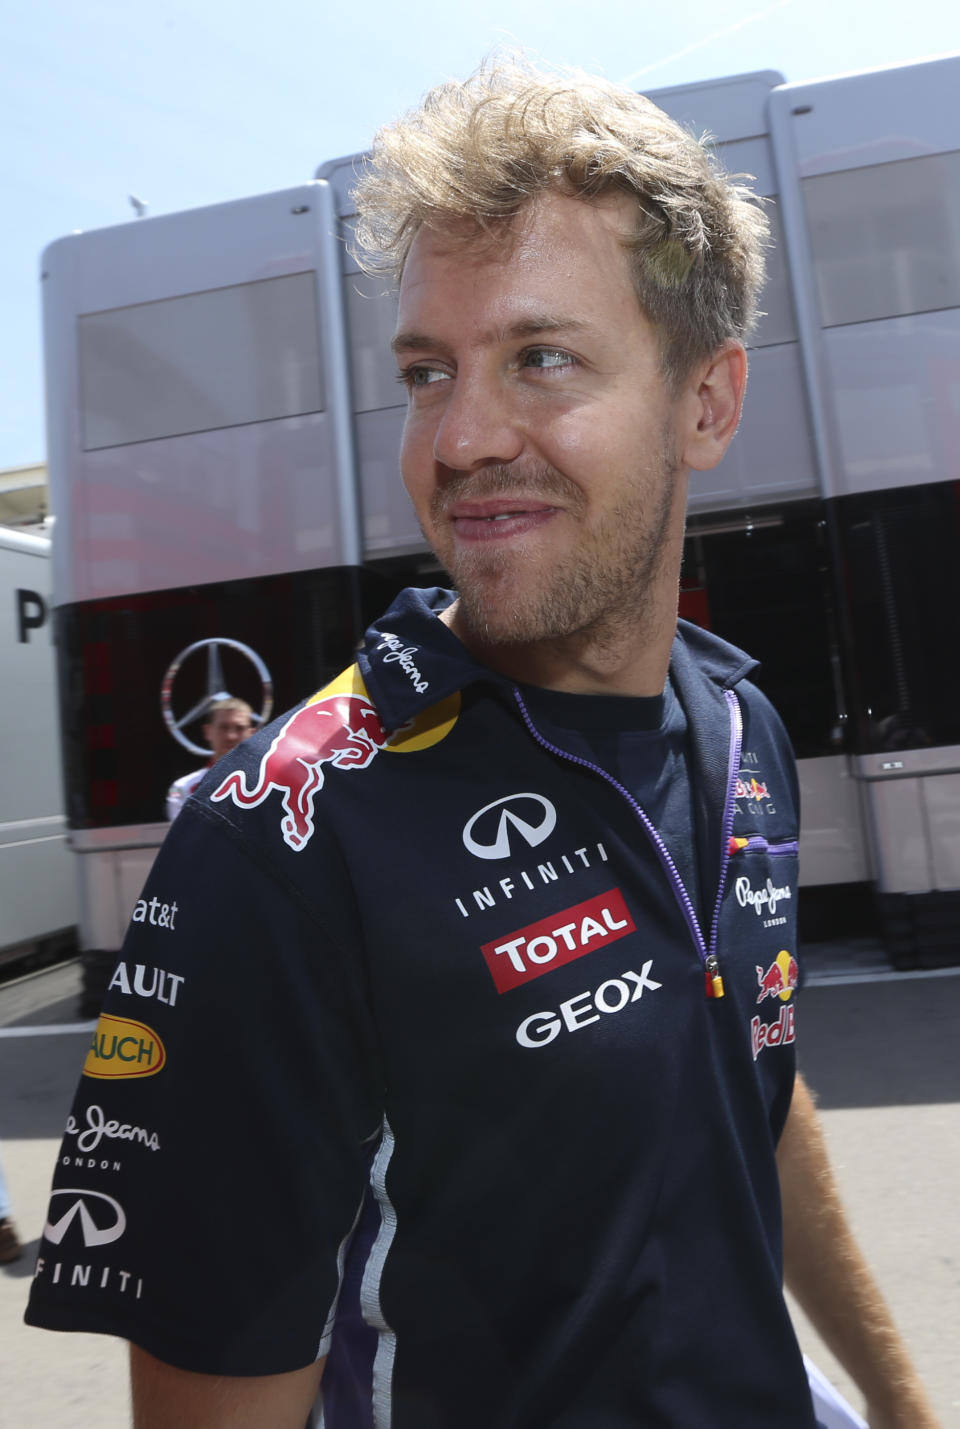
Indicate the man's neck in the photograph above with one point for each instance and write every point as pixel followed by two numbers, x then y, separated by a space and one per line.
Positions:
pixel 626 660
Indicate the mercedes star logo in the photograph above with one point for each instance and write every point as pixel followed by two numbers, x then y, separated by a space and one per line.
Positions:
pixel 216 689
pixel 532 833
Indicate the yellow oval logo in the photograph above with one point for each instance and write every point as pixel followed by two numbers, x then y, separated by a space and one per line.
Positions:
pixel 123 1048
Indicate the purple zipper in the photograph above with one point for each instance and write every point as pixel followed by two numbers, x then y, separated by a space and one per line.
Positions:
pixel 707 953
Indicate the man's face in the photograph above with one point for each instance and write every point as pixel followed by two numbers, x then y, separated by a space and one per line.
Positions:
pixel 226 729
pixel 542 449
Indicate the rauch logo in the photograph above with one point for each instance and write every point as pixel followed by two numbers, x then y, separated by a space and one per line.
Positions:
pixel 123 1048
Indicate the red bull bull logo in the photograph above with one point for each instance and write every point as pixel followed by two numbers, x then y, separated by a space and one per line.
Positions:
pixel 751 788
pixel 780 978
pixel 342 730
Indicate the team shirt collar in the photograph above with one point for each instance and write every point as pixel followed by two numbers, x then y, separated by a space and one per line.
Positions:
pixel 410 660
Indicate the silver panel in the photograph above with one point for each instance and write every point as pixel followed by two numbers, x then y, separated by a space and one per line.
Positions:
pixel 110 880
pixel 371 308
pixel 32 786
pixel 901 836
pixel 752 158
pixel 341 174
pixel 909 763
pixel 389 524
pixel 149 836
pixel 243 501
pixel 913 796
pixel 833 846
pixel 875 117
pixel 886 239
pixel 239 501
pixel 777 321
pixel 771 456
pixel 220 358
pixel 894 388
pixel 731 108
pixel 942 799
pixel 37 894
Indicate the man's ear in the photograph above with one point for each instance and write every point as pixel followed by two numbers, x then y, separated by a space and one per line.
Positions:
pixel 716 395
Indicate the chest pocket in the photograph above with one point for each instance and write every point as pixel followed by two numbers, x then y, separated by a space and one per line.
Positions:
pixel 763 878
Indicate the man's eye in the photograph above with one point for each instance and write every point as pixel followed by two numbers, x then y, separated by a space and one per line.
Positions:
pixel 421 376
pixel 547 357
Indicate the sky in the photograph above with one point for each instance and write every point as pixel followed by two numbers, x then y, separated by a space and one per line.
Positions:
pixel 191 102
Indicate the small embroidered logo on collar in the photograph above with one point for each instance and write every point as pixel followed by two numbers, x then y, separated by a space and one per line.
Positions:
pixel 403 655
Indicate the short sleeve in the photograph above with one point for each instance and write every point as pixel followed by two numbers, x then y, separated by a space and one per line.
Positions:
pixel 214 1162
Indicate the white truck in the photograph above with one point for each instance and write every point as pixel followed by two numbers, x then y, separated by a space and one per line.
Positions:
pixel 223 430
pixel 38 903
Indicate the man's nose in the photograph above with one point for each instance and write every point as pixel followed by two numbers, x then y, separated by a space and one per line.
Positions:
pixel 480 425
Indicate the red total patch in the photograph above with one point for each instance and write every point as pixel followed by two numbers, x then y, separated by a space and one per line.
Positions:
pixel 530 952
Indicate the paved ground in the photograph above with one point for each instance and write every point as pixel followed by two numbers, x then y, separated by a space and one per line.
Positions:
pixel 882 1053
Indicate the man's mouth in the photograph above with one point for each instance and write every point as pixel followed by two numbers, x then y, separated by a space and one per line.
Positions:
pixel 495 520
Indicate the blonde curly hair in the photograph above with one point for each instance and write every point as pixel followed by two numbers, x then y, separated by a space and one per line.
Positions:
pixel 476 153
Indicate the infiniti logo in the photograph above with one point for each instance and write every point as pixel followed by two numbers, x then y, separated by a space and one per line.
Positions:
pixel 93 1234
pixel 538 824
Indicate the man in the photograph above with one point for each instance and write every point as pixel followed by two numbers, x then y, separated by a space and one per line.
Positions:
pixel 475 1074
pixel 227 724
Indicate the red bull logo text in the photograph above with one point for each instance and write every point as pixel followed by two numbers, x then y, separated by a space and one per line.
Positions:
pixel 341 730
pixel 773 1034
pixel 780 978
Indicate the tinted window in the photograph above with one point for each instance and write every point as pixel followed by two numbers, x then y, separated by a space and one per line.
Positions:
pixel 902 582
pixel 766 589
pixel 222 358
pixel 886 239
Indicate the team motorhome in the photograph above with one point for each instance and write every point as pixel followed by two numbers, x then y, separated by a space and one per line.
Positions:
pixel 223 428
pixel 37 893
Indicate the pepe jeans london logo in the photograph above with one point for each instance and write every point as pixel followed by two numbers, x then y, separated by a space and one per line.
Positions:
pixel 398 653
pixel 761 900
pixel 98 1129
pixel 529 817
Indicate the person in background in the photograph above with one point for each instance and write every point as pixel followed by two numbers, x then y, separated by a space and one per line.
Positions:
pixel 227 724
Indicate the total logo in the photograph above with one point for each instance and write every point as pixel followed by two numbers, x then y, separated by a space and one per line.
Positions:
pixel 779 981
pixel 552 942
pixel 122 1048
pixel 503 827
pixel 100 1218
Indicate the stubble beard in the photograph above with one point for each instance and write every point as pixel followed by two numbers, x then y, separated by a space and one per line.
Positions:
pixel 602 589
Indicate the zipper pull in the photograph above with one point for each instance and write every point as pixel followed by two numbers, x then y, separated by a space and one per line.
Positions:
pixel 714 980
